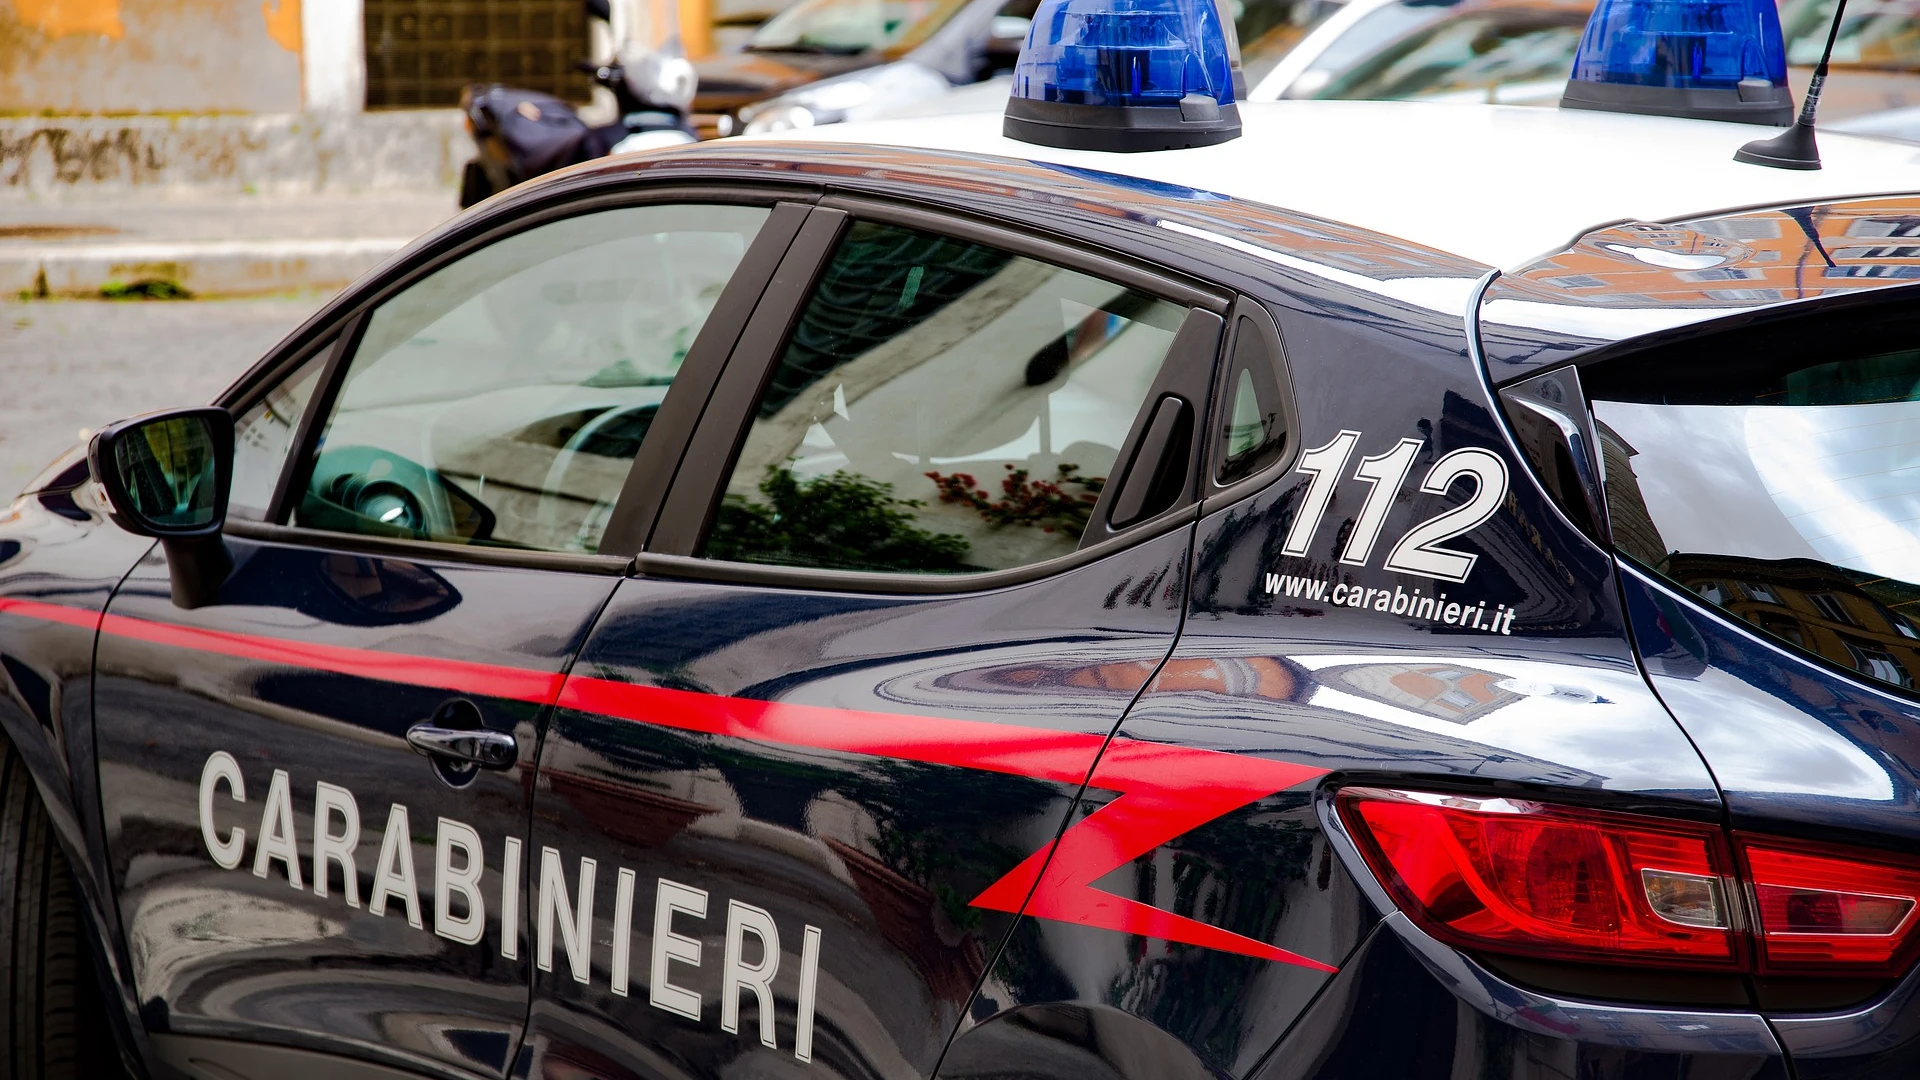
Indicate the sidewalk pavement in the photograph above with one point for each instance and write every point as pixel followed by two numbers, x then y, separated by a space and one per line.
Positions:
pixel 208 244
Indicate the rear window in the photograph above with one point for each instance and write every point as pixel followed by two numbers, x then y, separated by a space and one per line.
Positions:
pixel 1774 471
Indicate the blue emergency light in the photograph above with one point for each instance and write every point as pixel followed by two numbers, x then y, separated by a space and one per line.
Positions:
pixel 1705 59
pixel 1125 75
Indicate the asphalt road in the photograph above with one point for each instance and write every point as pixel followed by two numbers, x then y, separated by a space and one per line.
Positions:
pixel 73 365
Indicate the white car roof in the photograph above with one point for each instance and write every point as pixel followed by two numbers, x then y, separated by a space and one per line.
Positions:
pixel 1498 184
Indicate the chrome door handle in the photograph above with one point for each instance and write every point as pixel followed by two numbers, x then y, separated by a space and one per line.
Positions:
pixel 474 746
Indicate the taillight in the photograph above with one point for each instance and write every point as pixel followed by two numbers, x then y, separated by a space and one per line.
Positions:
pixel 1827 910
pixel 1538 880
pixel 1506 875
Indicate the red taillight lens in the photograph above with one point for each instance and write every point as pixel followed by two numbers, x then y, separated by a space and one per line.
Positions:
pixel 1534 879
pixel 1846 911
pixel 1504 875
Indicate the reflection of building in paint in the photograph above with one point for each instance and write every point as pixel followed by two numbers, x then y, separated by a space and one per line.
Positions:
pixel 1735 261
pixel 1627 518
pixel 1847 618
pixel 1447 691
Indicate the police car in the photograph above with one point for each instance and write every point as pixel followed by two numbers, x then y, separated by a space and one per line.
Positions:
pixel 1406 591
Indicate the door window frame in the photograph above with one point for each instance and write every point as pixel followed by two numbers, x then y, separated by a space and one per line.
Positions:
pixel 647 481
pixel 1190 369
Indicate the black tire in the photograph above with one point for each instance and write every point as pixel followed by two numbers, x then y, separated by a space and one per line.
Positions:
pixel 475 188
pixel 51 1021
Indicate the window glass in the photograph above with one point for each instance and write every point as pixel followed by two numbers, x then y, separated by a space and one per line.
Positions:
pixel 849 27
pixel 502 399
pixel 1254 434
pixel 262 435
pixel 1471 53
pixel 940 407
pixel 1775 472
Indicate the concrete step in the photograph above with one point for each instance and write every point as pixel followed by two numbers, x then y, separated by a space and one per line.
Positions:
pixel 206 246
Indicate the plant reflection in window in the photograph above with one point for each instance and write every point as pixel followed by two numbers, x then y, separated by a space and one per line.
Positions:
pixel 839 521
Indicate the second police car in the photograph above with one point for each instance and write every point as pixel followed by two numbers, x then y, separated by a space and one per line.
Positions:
pixel 1354 590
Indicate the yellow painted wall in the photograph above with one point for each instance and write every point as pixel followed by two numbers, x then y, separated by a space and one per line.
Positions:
pixel 127 56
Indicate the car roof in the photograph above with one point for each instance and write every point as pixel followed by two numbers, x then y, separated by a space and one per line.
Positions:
pixel 1498 185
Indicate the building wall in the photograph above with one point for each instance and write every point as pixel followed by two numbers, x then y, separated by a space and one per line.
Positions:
pixel 150 56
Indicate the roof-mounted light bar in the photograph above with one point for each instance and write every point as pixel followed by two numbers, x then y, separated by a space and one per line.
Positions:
pixel 1704 59
pixel 1124 75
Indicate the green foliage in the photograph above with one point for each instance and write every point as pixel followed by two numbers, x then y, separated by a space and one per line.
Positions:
pixel 145 289
pixel 840 521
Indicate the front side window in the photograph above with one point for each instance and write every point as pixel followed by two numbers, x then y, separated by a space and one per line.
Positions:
pixel 502 399
pixel 1785 458
pixel 940 407
pixel 263 434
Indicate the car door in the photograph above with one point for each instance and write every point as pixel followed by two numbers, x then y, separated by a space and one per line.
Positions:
pixel 315 785
pixel 928 542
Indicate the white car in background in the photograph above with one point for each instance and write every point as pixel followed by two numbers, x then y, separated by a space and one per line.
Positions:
pixel 1518 52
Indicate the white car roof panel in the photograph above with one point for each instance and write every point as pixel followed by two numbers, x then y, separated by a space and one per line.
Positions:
pixel 1499 185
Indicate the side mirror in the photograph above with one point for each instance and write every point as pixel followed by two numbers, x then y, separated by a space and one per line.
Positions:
pixel 167 475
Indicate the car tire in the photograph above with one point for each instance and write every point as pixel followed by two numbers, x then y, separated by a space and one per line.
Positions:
pixel 50 1006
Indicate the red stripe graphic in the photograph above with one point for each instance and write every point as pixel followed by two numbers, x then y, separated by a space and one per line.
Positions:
pixel 1165 791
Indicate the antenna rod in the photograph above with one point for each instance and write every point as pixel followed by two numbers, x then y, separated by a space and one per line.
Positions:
pixel 1796 148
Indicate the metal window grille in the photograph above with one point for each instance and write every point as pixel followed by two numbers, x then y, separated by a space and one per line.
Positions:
pixel 420 53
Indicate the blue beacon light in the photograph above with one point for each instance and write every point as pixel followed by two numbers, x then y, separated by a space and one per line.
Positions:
pixel 1124 75
pixel 1705 59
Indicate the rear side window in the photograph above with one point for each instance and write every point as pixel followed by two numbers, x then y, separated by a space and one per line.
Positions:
pixel 502 399
pixel 1253 433
pixel 941 406
pixel 1774 471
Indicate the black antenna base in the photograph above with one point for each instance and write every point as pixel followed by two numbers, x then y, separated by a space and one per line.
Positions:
pixel 1794 148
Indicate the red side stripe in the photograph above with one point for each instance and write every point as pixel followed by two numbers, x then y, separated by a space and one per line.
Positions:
pixel 1165 790
pixel 35 609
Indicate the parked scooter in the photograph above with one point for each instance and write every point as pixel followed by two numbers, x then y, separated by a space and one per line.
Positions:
pixel 520 134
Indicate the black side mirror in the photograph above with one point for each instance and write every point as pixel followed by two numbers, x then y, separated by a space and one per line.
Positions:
pixel 599 9
pixel 167 475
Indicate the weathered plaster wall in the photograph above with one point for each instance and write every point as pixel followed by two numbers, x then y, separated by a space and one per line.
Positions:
pixel 150 56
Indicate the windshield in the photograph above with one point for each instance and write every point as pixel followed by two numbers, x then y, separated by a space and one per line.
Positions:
pixel 1470 51
pixel 1881 34
pixel 852 26
pixel 1775 472
pixel 1367 36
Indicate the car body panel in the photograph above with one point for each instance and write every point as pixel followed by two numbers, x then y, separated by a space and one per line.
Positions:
pixel 307 670
pixel 1512 200
pixel 875 766
pixel 1636 279
pixel 1171 895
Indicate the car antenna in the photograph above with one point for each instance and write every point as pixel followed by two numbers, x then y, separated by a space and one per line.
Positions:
pixel 1796 148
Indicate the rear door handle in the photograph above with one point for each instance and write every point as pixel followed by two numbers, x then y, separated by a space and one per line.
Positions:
pixel 474 746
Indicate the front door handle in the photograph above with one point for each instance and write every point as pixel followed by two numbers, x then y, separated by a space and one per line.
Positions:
pixel 473 746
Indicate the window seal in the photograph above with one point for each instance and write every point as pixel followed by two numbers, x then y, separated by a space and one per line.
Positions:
pixel 1219 496
pixel 656 564
pixel 518 558
pixel 1119 269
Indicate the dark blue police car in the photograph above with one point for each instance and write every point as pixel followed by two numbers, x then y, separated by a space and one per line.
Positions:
pixel 930 604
